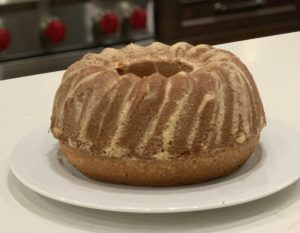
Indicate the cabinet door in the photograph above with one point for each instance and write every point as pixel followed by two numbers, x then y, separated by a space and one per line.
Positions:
pixel 224 20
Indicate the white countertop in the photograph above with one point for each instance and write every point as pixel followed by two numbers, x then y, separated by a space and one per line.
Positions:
pixel 26 103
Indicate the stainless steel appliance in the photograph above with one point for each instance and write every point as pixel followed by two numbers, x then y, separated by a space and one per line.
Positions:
pixel 45 35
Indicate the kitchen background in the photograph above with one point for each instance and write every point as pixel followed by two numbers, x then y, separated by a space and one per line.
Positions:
pixel 38 36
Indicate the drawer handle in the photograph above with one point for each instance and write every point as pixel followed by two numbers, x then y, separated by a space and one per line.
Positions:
pixel 224 7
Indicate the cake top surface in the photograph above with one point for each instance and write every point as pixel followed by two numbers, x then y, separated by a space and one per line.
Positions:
pixel 157 101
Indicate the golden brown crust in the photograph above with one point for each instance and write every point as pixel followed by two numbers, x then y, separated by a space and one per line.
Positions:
pixel 157 115
pixel 184 170
pixel 168 100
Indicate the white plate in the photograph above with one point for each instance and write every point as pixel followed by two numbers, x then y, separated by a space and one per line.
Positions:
pixel 38 164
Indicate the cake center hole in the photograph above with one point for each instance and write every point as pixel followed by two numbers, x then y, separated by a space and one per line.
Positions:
pixel 146 68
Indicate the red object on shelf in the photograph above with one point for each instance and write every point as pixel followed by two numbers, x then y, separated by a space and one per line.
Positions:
pixel 4 39
pixel 138 19
pixel 56 31
pixel 109 23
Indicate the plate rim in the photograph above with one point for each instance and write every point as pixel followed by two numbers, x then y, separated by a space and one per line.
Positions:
pixel 197 207
pixel 152 210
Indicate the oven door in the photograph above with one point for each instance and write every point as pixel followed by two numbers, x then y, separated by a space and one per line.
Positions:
pixel 39 64
pixel 48 63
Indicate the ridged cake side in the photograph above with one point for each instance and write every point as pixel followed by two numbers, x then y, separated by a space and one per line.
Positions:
pixel 213 104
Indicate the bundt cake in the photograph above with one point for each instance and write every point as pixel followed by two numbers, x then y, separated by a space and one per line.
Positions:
pixel 158 115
